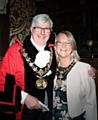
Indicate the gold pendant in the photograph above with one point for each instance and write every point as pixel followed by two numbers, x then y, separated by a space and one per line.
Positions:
pixel 41 83
pixel 59 82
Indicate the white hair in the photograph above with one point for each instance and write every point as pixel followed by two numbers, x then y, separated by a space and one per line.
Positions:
pixel 40 19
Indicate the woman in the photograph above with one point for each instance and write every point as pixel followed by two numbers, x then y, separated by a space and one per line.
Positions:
pixel 74 90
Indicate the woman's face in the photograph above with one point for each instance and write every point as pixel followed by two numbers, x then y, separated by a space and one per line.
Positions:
pixel 63 46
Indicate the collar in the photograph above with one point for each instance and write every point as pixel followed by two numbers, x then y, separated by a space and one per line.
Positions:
pixel 39 48
pixel 65 67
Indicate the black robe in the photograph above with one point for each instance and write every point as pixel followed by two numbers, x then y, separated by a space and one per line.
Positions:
pixel 30 79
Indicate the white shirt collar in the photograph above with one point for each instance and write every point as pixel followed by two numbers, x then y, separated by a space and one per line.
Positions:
pixel 39 48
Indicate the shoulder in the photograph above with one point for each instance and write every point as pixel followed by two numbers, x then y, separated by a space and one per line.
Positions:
pixel 82 64
pixel 15 47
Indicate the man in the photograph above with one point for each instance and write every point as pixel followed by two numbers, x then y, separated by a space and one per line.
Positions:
pixel 31 68
pixel 26 74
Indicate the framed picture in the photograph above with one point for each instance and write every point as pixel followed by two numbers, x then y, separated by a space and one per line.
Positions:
pixel 3 4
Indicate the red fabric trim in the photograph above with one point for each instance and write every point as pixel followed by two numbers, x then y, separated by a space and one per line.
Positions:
pixel 10 103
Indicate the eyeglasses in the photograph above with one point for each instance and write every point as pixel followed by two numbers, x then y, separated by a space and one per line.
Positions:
pixel 38 29
pixel 59 43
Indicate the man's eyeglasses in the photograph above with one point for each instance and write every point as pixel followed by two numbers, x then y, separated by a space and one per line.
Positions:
pixel 47 30
pixel 59 43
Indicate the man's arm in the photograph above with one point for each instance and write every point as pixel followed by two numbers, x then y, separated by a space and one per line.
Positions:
pixel 92 72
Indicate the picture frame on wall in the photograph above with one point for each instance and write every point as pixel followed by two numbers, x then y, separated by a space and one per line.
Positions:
pixel 3 8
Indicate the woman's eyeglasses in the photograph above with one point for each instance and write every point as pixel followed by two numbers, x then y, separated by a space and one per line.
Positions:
pixel 60 43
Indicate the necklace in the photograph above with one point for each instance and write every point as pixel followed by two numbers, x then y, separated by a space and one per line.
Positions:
pixel 61 73
pixel 41 83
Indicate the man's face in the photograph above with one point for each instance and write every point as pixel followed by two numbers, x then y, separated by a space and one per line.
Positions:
pixel 41 33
